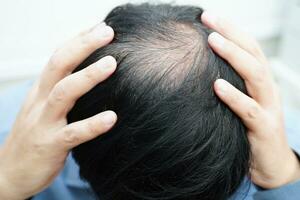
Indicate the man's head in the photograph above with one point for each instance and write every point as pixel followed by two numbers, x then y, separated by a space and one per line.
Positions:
pixel 174 138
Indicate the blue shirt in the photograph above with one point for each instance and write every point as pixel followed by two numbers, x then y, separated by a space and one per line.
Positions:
pixel 69 186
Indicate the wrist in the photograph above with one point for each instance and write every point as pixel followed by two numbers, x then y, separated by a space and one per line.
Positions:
pixel 295 168
pixel 285 170
pixel 290 171
pixel 7 190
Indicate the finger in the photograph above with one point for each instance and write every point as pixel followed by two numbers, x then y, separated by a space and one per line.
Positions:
pixel 256 76
pixel 245 107
pixel 82 131
pixel 232 33
pixel 67 91
pixel 67 58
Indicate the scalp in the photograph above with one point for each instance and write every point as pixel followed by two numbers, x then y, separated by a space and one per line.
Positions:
pixel 174 138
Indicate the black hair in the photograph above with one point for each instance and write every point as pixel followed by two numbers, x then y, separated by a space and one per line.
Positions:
pixel 174 138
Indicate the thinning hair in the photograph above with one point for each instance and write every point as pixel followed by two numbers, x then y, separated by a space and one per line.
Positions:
pixel 174 138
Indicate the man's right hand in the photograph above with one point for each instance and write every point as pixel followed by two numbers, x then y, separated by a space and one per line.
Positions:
pixel 36 149
pixel 273 162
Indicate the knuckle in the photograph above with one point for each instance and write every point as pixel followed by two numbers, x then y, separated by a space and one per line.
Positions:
pixel 41 145
pixel 93 128
pixel 55 61
pixel 58 93
pixel 253 111
pixel 255 48
pixel 83 33
pixel 234 99
pixel 38 148
pixel 222 24
pixel 228 50
pixel 90 74
pixel 86 41
pixel 276 90
pixel 70 136
pixel 260 74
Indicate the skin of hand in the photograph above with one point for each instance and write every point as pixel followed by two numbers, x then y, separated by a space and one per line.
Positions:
pixel 273 162
pixel 36 149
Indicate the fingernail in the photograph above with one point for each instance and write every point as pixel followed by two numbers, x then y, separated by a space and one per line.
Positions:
pixel 210 17
pixel 216 39
pixel 109 118
pixel 102 30
pixel 221 86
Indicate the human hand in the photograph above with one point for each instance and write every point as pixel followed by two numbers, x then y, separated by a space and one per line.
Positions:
pixel 273 162
pixel 36 149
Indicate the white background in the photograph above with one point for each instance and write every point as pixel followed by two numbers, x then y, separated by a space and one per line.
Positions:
pixel 30 30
